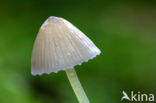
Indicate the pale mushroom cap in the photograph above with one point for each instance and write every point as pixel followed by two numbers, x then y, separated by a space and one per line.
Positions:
pixel 59 45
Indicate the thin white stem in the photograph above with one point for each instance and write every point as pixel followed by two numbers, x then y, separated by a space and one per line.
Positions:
pixel 76 85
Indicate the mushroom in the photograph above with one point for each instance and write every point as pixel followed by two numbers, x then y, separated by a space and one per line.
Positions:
pixel 59 45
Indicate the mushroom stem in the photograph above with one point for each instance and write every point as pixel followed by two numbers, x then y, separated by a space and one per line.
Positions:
pixel 76 85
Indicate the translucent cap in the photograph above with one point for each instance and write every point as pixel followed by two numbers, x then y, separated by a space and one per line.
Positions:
pixel 59 45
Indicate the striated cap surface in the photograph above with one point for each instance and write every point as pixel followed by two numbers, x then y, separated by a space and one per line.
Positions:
pixel 59 45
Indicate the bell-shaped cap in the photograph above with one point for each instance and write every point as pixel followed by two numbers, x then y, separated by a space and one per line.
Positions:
pixel 59 45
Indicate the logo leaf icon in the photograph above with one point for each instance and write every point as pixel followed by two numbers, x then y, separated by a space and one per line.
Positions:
pixel 125 96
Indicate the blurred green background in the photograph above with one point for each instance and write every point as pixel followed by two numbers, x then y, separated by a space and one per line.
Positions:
pixel 125 31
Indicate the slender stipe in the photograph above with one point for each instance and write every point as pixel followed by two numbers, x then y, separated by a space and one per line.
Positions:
pixel 76 85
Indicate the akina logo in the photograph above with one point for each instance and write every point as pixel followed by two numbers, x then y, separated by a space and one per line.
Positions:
pixel 138 96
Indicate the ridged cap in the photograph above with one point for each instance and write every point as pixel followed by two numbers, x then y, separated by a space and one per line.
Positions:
pixel 59 45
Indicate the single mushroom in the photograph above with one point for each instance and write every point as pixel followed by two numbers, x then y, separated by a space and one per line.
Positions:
pixel 59 45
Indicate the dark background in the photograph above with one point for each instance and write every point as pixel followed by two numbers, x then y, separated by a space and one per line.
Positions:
pixel 125 31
